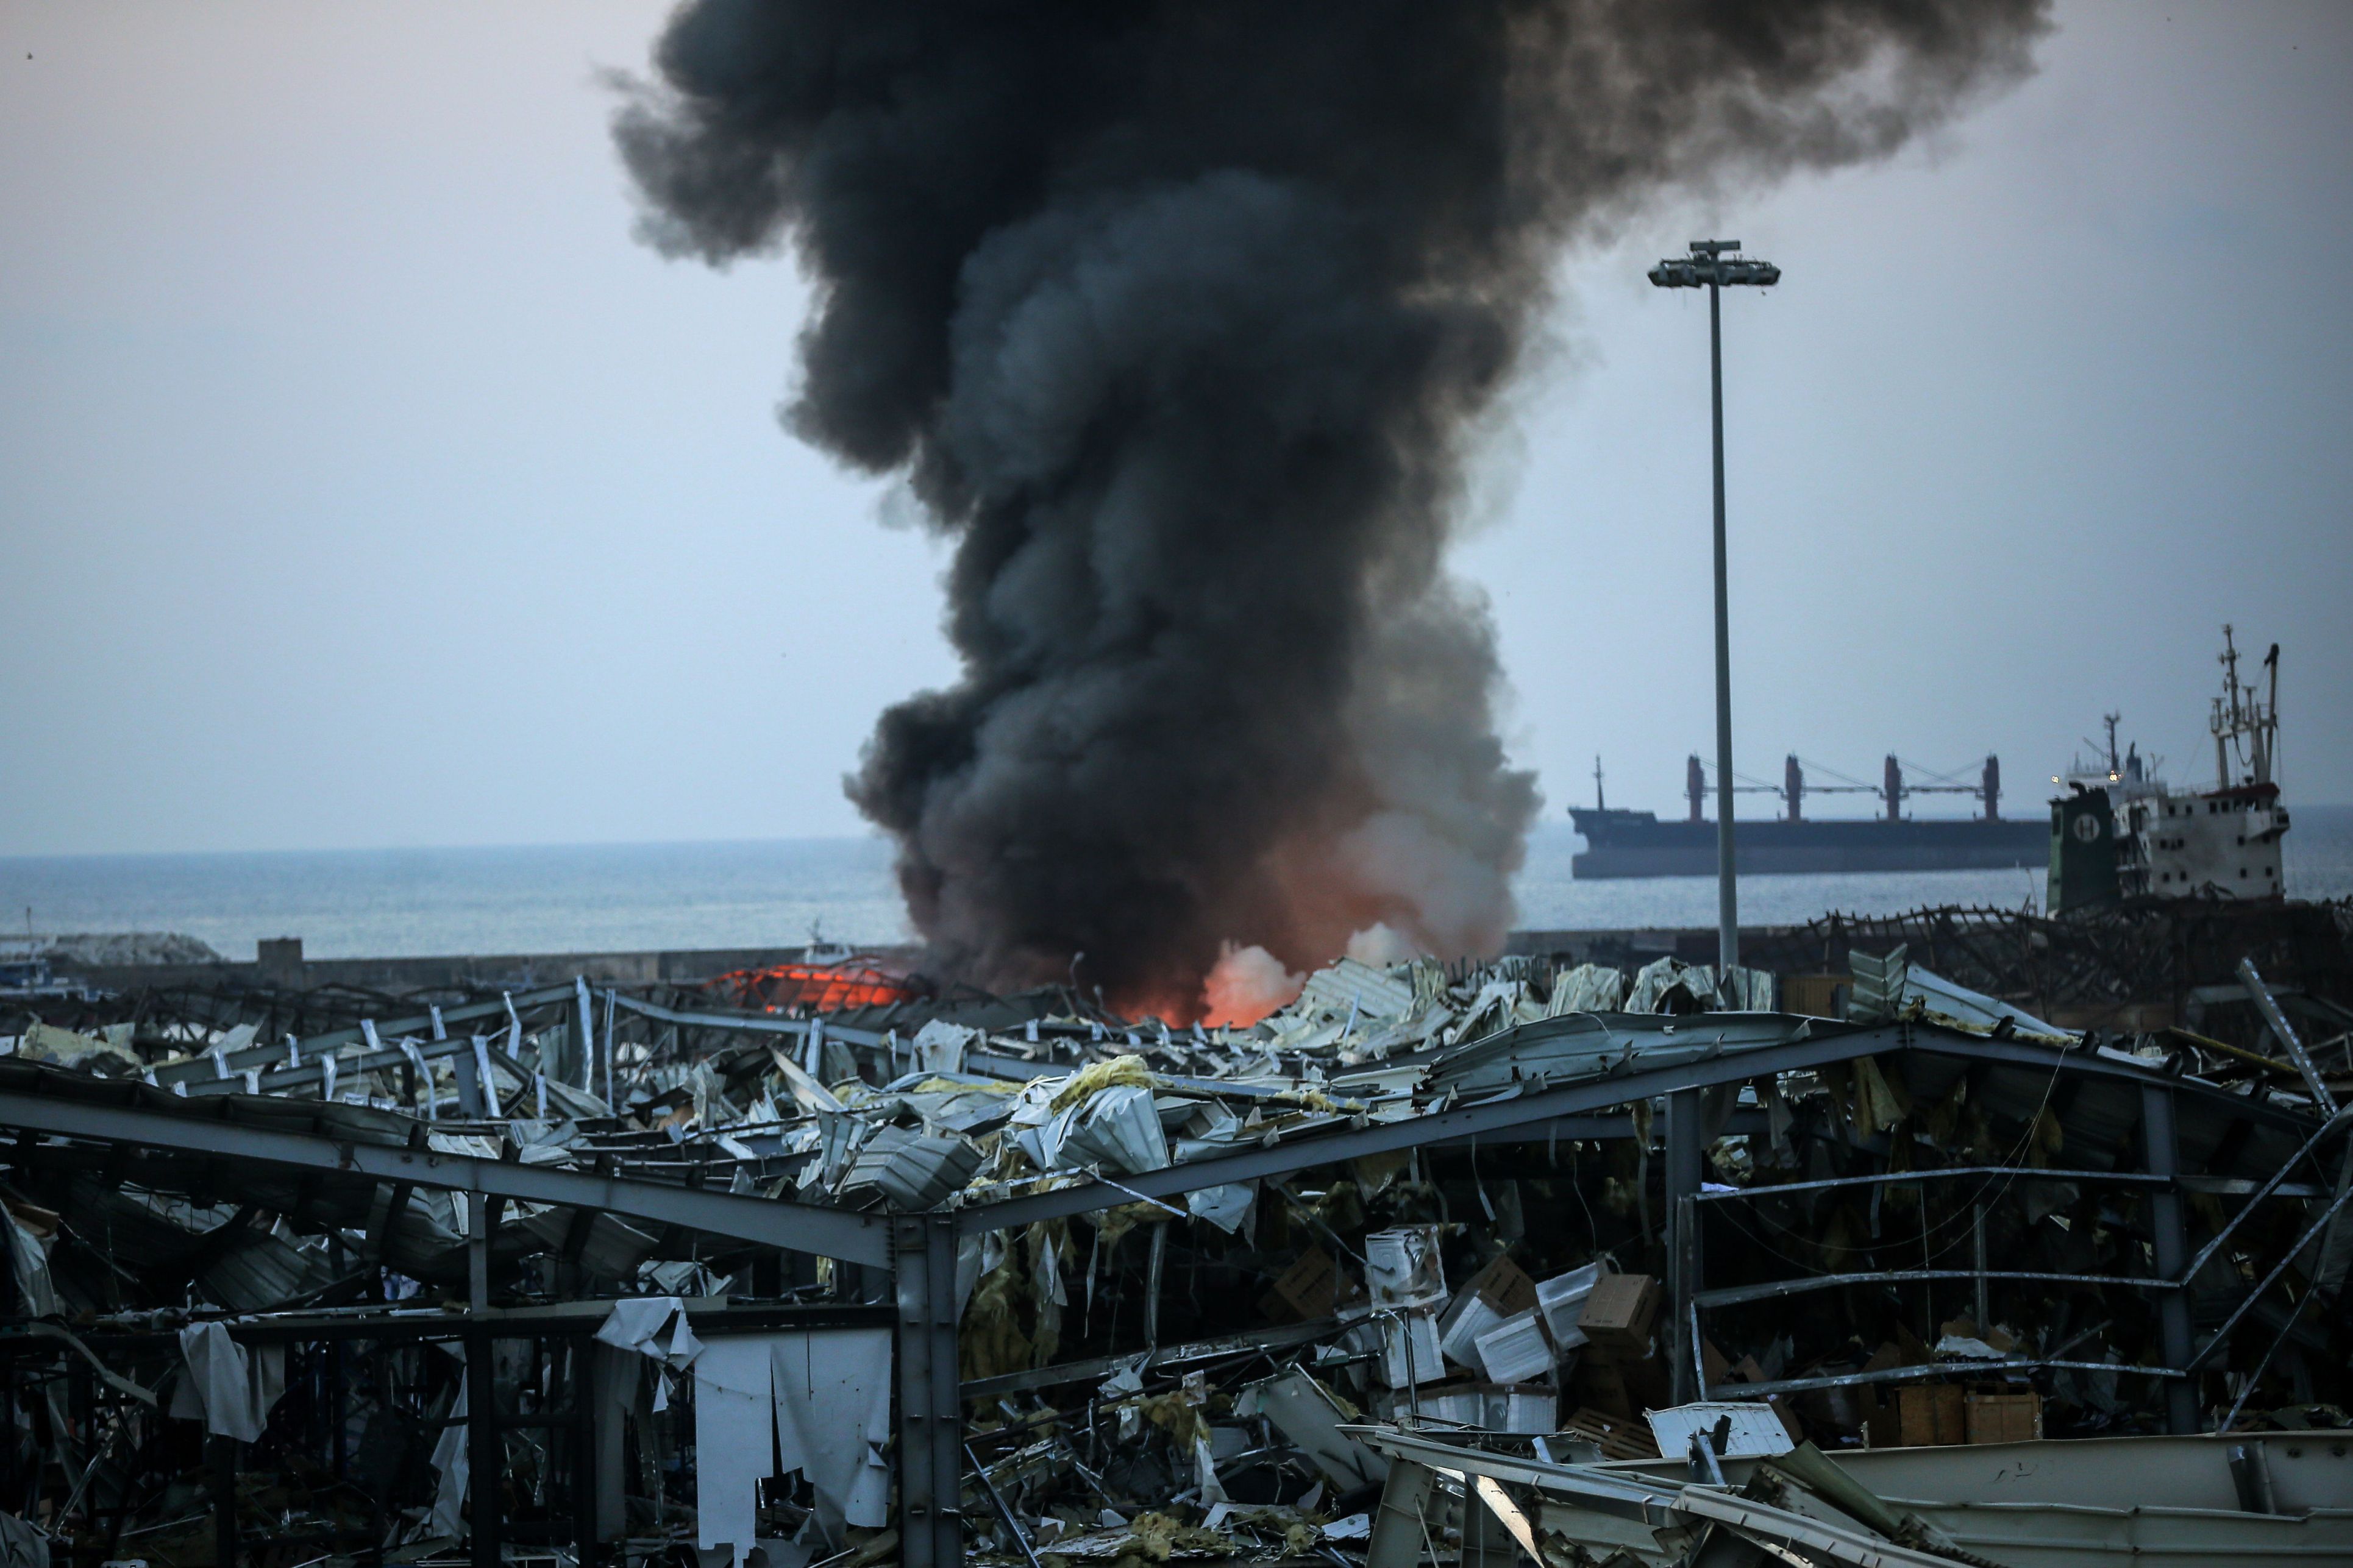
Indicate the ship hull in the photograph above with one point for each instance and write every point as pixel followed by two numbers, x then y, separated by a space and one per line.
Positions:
pixel 1635 844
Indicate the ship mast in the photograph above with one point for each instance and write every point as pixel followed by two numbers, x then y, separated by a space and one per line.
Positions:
pixel 2242 716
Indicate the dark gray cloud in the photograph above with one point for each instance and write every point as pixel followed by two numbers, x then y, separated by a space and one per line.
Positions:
pixel 1181 318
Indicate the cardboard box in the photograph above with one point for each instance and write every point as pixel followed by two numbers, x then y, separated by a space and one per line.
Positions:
pixel 1628 1386
pixel 1602 1387
pixel 1928 1414
pixel 2005 1417
pixel 1814 996
pixel 1880 1428
pixel 1618 1313
pixel 1619 1355
pixel 1842 1407
pixel 1505 1286
pixel 1310 1286
pixel 1618 1437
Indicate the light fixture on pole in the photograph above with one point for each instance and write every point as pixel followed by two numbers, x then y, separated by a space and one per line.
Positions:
pixel 1712 266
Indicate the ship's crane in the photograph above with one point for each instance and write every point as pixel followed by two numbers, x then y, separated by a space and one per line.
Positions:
pixel 1893 789
pixel 1696 787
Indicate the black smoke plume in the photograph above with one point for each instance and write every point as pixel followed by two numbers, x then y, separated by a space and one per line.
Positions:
pixel 1182 320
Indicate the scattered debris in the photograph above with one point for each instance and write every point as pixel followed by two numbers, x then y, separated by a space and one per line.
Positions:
pixel 1571 1258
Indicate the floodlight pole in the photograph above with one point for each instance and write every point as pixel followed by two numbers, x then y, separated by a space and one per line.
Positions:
pixel 1712 265
pixel 1727 888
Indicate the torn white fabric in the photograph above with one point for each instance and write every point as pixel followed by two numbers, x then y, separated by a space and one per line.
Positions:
pixel 940 1047
pixel 234 1392
pixel 1228 1208
pixel 186 1404
pixel 482 1073
pixel 653 1326
pixel 969 1264
pixel 28 1263
pixel 452 1458
pixel 1126 1379
pixel 833 1416
pixel 1205 1474
pixel 615 1375
pixel 733 1414
pixel 269 1364
pixel 1048 1280
pixel 22 1545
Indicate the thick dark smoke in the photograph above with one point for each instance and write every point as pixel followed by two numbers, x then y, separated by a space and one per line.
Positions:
pixel 1182 319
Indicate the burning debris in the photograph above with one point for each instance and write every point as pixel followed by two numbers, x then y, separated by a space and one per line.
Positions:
pixel 1583 1258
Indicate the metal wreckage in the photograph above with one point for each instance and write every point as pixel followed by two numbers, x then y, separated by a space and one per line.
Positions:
pixel 1586 1263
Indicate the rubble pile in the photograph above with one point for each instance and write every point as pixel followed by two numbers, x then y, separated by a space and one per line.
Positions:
pixel 1533 1246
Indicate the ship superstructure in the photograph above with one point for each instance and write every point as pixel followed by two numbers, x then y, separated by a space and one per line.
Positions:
pixel 2129 834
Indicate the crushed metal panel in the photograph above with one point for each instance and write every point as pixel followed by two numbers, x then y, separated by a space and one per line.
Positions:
pixel 1751 1431
pixel 1304 1411
pixel 1372 993
pixel 2060 1535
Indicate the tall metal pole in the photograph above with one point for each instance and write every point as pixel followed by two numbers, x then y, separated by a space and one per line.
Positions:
pixel 1714 263
pixel 1727 896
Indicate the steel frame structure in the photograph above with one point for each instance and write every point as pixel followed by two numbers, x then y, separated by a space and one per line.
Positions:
pixel 920 1250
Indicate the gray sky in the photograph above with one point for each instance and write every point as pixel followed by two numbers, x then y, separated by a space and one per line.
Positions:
pixel 361 481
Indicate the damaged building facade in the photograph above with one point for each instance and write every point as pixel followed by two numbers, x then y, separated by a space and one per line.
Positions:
pixel 1590 1261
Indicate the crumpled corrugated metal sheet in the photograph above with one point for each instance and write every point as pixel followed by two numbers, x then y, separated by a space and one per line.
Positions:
pixel 1371 993
pixel 1558 1050
pixel 908 1170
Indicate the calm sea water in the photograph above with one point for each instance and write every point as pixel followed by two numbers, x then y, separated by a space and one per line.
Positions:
pixel 592 898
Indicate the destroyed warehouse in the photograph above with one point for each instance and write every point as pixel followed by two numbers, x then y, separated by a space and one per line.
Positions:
pixel 1582 1254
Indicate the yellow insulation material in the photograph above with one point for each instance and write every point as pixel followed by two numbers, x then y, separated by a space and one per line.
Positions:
pixel 950 1085
pixel 1177 1416
pixel 1880 1100
pixel 1095 1076
pixel 990 1341
pixel 2048 1139
pixel 1114 1223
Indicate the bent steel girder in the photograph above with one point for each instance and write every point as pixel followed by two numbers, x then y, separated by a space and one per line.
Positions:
pixel 1808 1049
pixel 795 1227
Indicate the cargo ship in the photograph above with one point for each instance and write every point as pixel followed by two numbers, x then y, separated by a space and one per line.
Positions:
pixel 1619 842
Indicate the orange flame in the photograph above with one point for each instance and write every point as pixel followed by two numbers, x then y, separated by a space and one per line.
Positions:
pixel 811 987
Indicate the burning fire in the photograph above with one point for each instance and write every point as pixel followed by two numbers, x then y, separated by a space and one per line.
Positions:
pixel 812 987
pixel 1249 983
